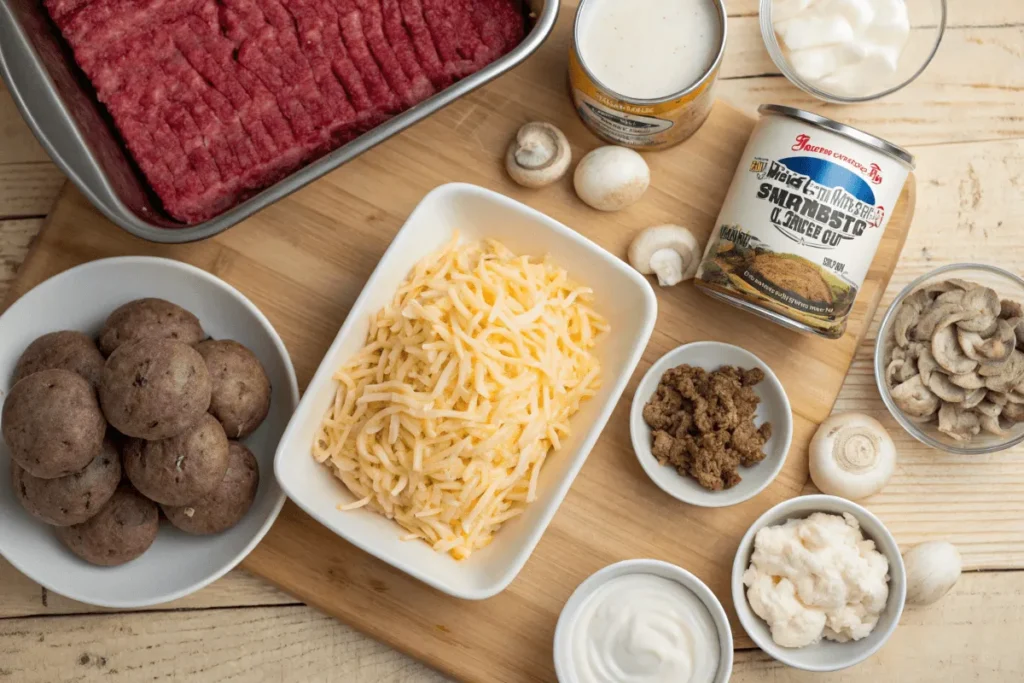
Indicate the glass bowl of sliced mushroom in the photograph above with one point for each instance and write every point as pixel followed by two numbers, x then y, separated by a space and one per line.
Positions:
pixel 949 362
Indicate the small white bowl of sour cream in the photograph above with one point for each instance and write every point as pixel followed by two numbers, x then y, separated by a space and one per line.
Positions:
pixel 643 620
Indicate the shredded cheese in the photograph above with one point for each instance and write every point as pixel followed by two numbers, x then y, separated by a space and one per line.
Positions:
pixel 468 379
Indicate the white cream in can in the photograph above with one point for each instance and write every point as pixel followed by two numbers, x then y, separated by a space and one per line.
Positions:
pixel 802 220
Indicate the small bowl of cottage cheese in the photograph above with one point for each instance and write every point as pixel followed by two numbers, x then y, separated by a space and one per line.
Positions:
pixel 849 51
pixel 818 583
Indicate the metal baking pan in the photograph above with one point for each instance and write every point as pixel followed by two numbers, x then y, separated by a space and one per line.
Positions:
pixel 57 101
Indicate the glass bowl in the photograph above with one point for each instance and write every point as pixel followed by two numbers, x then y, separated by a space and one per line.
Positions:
pixel 927 25
pixel 1008 286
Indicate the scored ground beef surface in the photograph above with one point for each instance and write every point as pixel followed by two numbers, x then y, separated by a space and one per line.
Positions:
pixel 218 99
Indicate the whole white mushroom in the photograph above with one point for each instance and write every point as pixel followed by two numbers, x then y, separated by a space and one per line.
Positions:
pixel 669 251
pixel 933 568
pixel 851 456
pixel 611 178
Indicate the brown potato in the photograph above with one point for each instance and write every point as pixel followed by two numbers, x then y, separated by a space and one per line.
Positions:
pixel 182 469
pixel 53 424
pixel 149 319
pixel 241 388
pixel 74 498
pixel 226 505
pixel 121 531
pixel 65 350
pixel 154 388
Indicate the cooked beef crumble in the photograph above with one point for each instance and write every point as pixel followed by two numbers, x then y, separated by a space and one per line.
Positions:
pixel 703 423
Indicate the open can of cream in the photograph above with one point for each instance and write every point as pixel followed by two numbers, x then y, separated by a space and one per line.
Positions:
pixel 641 74
pixel 802 220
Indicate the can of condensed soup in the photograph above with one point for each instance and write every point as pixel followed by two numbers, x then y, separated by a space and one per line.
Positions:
pixel 641 72
pixel 802 220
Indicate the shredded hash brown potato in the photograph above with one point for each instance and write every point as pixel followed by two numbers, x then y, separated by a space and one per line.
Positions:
pixel 468 379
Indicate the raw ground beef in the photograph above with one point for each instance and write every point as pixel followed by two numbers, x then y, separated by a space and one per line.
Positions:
pixel 217 99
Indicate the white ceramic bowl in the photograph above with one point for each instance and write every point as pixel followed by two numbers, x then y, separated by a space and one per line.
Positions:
pixel 826 655
pixel 177 564
pixel 774 408
pixel 621 295
pixel 567 619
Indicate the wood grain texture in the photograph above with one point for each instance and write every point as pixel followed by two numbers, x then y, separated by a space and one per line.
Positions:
pixel 306 276
pixel 971 92
pixel 28 189
pixel 970 636
pixel 15 238
pixel 22 597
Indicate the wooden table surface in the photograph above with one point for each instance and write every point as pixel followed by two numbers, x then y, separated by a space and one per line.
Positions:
pixel 963 119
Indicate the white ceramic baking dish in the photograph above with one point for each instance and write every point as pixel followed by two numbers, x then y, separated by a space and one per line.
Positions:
pixel 620 294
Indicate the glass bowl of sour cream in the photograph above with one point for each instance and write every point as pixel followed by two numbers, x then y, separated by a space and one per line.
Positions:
pixel 848 51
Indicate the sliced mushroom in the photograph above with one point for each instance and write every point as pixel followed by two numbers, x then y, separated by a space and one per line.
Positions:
pixel 962 284
pixel 897 353
pixel 1017 324
pixel 1010 373
pixel 926 365
pixel 998 397
pixel 919 299
pixel 953 296
pixel 987 407
pixel 974 398
pixel 914 398
pixel 936 317
pixel 983 308
pixel 1010 309
pixel 994 349
pixel 993 425
pixel 1013 412
pixel 948 353
pixel 900 371
pixel 1015 396
pixel 958 424
pixel 946 390
pixel 936 288
pixel 905 319
pixel 968 380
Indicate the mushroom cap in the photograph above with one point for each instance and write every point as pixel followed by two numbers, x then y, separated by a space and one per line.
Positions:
pixel 935 317
pixel 946 390
pixel 974 398
pixel 852 455
pixel 993 349
pixel 958 424
pixel 983 306
pixel 947 351
pixel 968 380
pixel 539 155
pixel 914 398
pixel 906 318
pixel 611 178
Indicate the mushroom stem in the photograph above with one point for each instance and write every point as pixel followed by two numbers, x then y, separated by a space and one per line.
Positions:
pixel 536 147
pixel 538 156
pixel 669 251
pixel 667 264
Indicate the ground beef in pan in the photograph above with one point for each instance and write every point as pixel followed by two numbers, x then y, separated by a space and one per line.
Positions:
pixel 703 423
pixel 217 99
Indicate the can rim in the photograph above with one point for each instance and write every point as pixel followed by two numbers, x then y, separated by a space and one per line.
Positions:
pixel 705 77
pixel 856 134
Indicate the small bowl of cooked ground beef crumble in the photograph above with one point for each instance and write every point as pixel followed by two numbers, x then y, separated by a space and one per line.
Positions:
pixel 711 424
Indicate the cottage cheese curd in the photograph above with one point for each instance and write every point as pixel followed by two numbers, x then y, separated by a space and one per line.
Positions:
pixel 817 578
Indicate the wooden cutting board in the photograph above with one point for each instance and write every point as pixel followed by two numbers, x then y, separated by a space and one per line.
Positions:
pixel 304 260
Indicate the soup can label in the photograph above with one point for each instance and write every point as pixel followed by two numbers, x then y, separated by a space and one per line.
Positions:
pixel 801 222
pixel 638 124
